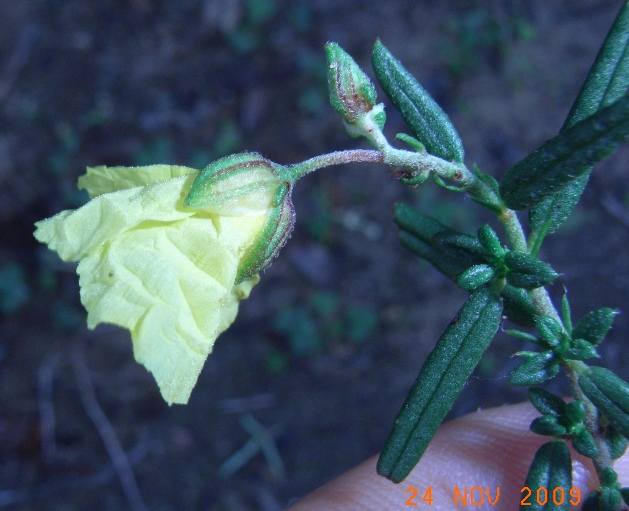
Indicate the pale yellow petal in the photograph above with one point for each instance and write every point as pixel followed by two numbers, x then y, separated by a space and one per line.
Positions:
pixel 163 271
pixel 102 179
pixel 74 234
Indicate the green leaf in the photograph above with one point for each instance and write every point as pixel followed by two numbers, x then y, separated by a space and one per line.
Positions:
pixel 547 216
pixel 616 442
pixel 490 241
pixel 475 276
pixel 580 350
pixel 546 402
pixel 535 370
pixel 426 120
pixel 566 157
pixel 606 82
pixel 547 425
pixel 566 315
pixel 593 327
pixel 584 443
pixel 440 381
pixel 608 78
pixel 551 468
pixel 451 268
pixel 528 272
pixel 610 394
pixel 549 330
pixel 416 223
pixel 518 306
pixel 462 247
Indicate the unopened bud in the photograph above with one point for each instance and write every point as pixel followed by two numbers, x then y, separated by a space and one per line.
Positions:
pixel 242 184
pixel 351 92
pixel 246 184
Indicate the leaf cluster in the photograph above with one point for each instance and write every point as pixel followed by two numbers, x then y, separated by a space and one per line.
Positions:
pixel 548 183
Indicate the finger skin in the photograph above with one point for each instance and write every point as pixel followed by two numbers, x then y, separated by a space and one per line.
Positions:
pixel 489 451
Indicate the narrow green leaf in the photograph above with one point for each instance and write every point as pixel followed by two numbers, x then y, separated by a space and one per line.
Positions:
pixel 610 395
pixel 525 336
pixel 606 82
pixel 528 272
pixel 593 327
pixel 451 268
pixel 566 157
pixel 566 315
pixel 415 222
pixel 440 381
pixel 460 246
pixel 551 468
pixel 426 120
pixel 608 78
pixel 548 215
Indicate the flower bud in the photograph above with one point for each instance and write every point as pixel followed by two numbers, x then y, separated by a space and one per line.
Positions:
pixel 246 184
pixel 351 91
pixel 243 184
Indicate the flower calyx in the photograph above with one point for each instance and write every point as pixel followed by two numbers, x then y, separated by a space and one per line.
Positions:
pixel 246 184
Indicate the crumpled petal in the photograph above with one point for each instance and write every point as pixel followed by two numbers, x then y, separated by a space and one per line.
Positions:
pixel 164 272
pixel 103 179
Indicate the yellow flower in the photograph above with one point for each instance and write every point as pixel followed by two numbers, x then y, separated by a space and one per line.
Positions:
pixel 151 264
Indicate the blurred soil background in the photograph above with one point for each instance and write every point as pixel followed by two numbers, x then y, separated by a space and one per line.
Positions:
pixel 323 353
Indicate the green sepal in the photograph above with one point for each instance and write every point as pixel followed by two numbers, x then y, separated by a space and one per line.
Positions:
pixel 440 381
pixel 610 394
pixel 518 306
pixel 551 468
pixel 546 402
pixel 547 425
pixel 475 276
pixel 351 92
pixel 624 492
pixel 535 370
pixel 275 233
pixel 549 330
pixel 528 272
pixel 616 442
pixel 593 327
pixel 426 120
pixel 566 157
pixel 490 241
pixel 238 184
pixel 584 443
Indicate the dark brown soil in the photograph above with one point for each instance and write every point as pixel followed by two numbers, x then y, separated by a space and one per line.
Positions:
pixel 324 351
